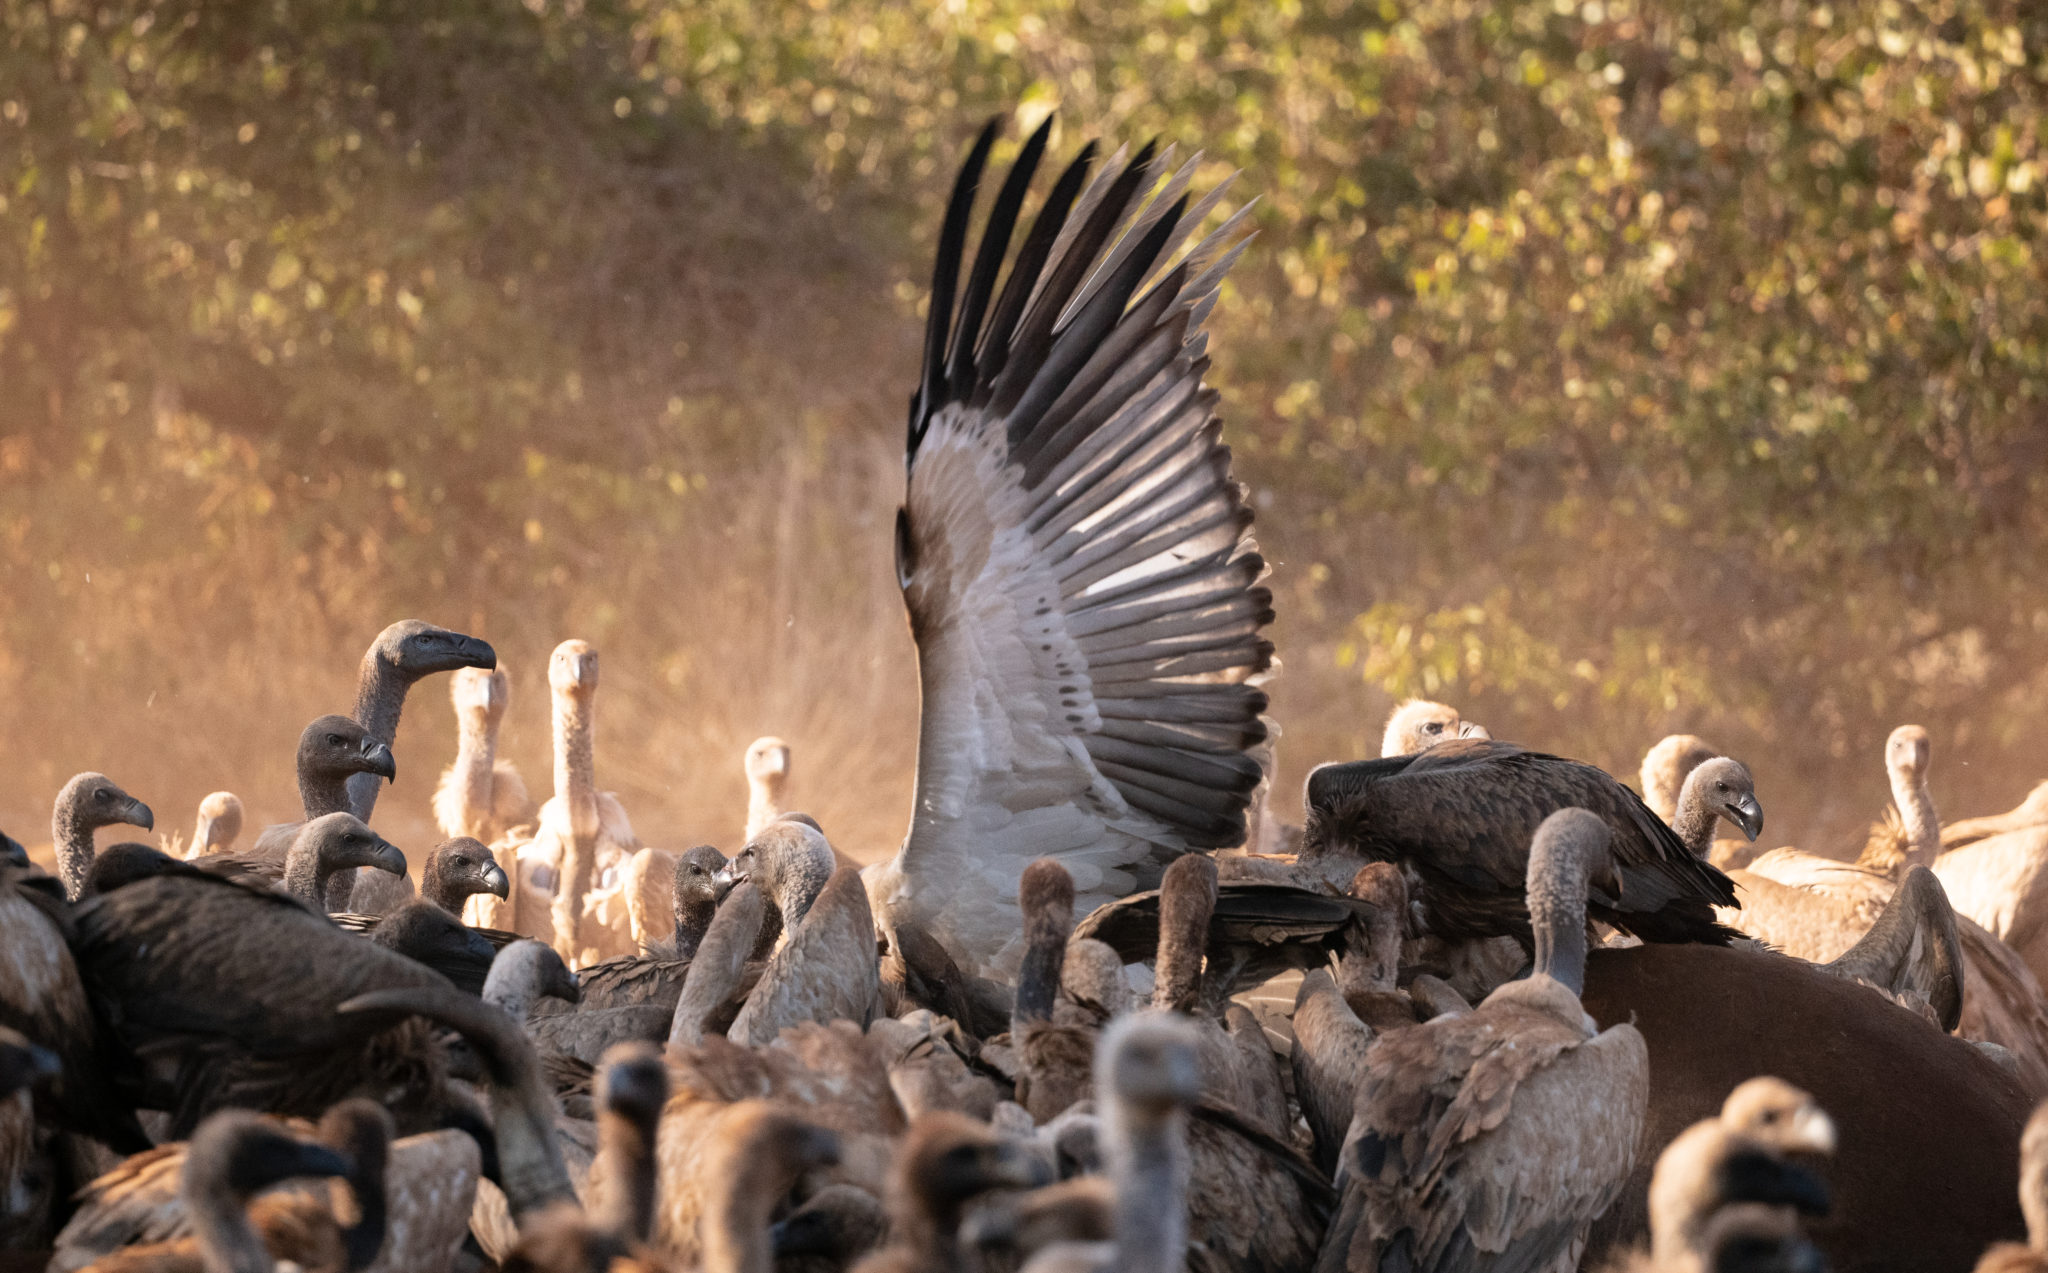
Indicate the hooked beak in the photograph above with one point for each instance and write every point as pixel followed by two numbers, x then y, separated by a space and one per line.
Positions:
pixel 722 882
pixel 137 814
pixel 1466 729
pixel 1812 1129
pixel 1746 814
pixel 496 883
pixel 475 653
pixel 386 857
pixel 12 851
pixel 319 1160
pixel 377 759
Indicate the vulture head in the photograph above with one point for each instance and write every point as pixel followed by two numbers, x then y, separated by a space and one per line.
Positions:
pixel 1419 724
pixel 91 801
pixel 572 669
pixel 340 841
pixel 236 1154
pixel 23 1064
pixel 334 747
pixel 767 763
pixel 414 649
pixel 480 692
pixel 1906 753
pixel 790 861
pixel 1666 766
pixel 703 878
pixel 526 971
pixel 1737 1159
pixel 426 934
pixel 1775 1113
pixel 125 863
pixel 1724 788
pixel 462 866
pixel 839 1223
pixel 948 1159
pixel 220 821
pixel 362 1129
pixel 1146 1064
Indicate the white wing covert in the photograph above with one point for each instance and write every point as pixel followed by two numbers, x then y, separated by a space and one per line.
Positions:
pixel 1076 560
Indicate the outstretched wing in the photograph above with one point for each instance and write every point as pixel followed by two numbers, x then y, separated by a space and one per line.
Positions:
pixel 1075 557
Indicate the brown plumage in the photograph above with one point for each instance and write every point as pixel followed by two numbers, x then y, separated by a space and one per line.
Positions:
pixel 944 1163
pixel 724 1169
pixel 655 980
pixel 1458 819
pixel 1054 1060
pixel 332 749
pixel 1495 1138
pixel 428 935
pixel 233 1156
pixel 480 795
pixel 920 972
pixel 324 847
pixel 1912 952
pixel 2031 1257
pixel 1713 1018
pixel 720 965
pixel 827 968
pixel 88 802
pixel 834 1227
pixel 457 870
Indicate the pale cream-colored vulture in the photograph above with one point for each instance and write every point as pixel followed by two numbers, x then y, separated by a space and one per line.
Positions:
pixel 1075 558
pixel 944 1163
pixel 1816 908
pixel 767 765
pixel 2027 815
pixel 827 968
pixel 481 794
pixel 1420 724
pixel 1498 1136
pixel 88 802
pixel 1665 767
pixel 1735 1162
pixel 2032 1256
pixel 219 824
pixel 232 1157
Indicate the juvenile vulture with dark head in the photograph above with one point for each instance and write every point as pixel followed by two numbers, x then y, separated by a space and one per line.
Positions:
pixel 1458 819
pixel 87 803
pixel 332 749
pixel 1074 555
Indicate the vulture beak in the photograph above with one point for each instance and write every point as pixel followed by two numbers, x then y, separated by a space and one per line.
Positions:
pixel 778 763
pixel 722 882
pixel 24 1064
pixel 386 857
pixel 1813 1130
pixel 137 814
pixel 310 1159
pixel 1747 815
pixel 377 760
pixel 475 653
pixel 495 881
pixel 12 851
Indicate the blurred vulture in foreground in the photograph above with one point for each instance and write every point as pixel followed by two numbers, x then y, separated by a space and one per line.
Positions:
pixel 1075 558
pixel 1458 819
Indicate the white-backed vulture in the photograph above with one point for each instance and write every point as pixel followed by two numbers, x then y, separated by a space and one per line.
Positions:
pixel 457 870
pixel 944 1163
pixel 715 974
pixel 2032 1256
pixel 1075 559
pixel 1717 789
pixel 1665 767
pixel 219 824
pixel 767 766
pixel 401 656
pixel 1497 1137
pixel 326 845
pixel 332 749
pixel 88 802
pixel 1419 724
pixel 1714 1018
pixel 827 968
pixel 481 794
pixel 1459 817
pixel 233 1156
pixel 2028 814
pixel 1054 1059
pixel 834 1227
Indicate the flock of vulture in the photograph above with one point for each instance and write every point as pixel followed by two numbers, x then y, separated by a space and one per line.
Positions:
pixel 1485 1008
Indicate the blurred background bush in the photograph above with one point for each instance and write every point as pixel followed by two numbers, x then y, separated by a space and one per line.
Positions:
pixel 1605 368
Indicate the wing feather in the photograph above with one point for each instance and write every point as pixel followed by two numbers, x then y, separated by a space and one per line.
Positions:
pixel 1071 531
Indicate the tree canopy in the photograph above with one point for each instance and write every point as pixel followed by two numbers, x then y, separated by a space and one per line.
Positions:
pixel 1607 368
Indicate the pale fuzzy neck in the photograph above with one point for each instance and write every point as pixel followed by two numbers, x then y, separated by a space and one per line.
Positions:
pixel 226 1242
pixel 576 760
pixel 1148 1161
pixel 1557 915
pixel 380 701
pixel 304 877
pixel 1694 821
pixel 1372 957
pixel 764 804
pixel 476 755
pixel 1923 823
pixel 1676 1216
pixel 71 831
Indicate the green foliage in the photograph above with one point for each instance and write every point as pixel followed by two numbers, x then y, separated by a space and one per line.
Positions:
pixel 1609 367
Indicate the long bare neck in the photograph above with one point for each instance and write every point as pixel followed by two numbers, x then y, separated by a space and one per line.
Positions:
pixel 720 962
pixel 380 700
pixel 576 759
pixel 1916 809
pixel 1694 821
pixel 693 920
pixel 476 755
pixel 435 886
pixel 1148 1162
pixel 1372 957
pixel 626 1205
pixel 764 804
pixel 734 1230
pixel 71 831
pixel 323 793
pixel 226 1242
pixel 1557 914
pixel 304 876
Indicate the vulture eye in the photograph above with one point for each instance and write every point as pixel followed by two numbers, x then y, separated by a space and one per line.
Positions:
pixel 1721 787
pixel 1770 1116
pixel 334 740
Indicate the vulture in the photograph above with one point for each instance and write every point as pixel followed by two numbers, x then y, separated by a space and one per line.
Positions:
pixel 945 1162
pixel 1494 1138
pixel 219 825
pixel 767 765
pixel 323 848
pixel 1419 724
pixel 670 897
pixel 332 750
pixel 87 803
pixel 457 870
pixel 1458 819
pixel 480 796
pixel 1666 767
pixel 1074 556
pixel 1715 790
pixel 2031 1257
pixel 826 968
pixel 2028 814
pixel 426 934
